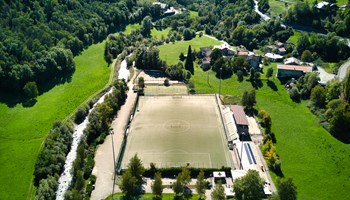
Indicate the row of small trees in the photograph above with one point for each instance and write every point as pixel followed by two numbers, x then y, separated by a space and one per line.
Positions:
pixel 94 134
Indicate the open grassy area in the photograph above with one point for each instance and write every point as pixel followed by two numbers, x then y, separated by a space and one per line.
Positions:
pixel 159 33
pixel 119 196
pixel 193 134
pixel 278 8
pixel 193 14
pixel 315 160
pixel 170 52
pixel 22 130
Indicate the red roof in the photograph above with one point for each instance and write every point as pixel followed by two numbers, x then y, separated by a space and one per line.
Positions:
pixel 239 115
pixel 305 69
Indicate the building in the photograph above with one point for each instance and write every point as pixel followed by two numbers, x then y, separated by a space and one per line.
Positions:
pixel 281 51
pixel 226 50
pixel 205 53
pixel 292 71
pixel 292 61
pixel 274 57
pixel 240 118
pixel 252 58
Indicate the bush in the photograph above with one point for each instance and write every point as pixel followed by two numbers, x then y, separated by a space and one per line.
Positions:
pixel 294 94
pixel 166 82
pixel 81 114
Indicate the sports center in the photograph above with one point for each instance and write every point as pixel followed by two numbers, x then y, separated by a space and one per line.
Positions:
pixel 177 130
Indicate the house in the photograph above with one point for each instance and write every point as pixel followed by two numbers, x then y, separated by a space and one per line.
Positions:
pixel 279 44
pixel 163 6
pixel 226 50
pixel 274 57
pixel 205 53
pixel 252 58
pixel 240 118
pixel 292 61
pixel 292 71
pixel 281 51
pixel 205 63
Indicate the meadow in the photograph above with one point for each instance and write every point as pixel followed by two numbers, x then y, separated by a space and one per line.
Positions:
pixel 23 129
pixel 170 52
pixel 315 160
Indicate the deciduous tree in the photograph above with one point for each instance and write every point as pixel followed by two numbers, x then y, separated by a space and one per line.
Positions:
pixel 287 190
pixel 218 192
pixel 249 187
pixel 157 186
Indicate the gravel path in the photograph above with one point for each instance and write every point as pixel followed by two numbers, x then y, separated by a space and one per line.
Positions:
pixel 104 163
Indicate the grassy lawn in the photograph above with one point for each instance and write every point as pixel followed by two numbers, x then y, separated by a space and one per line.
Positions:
pixel 328 67
pixel 309 154
pixel 119 196
pixel 131 27
pixel 193 14
pixel 170 52
pixel 278 7
pixel 158 34
pixel 22 130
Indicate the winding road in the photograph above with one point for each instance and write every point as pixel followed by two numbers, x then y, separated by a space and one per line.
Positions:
pixel 343 70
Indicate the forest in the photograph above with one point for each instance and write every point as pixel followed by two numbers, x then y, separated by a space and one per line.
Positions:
pixel 39 38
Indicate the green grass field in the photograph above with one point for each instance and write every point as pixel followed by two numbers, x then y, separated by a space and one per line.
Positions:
pixel 158 34
pixel 170 52
pixel 278 8
pixel 119 196
pixel 172 131
pixel 22 130
pixel 165 90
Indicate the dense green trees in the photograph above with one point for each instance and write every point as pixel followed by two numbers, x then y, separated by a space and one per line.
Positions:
pixel 249 186
pixel 318 96
pixel 263 5
pixel 201 184
pixel 39 38
pixel 31 90
pixel 157 186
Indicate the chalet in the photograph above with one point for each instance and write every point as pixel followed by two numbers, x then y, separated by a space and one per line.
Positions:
pixel 279 44
pixel 323 5
pixel 240 118
pixel 205 63
pixel 292 71
pixel 274 57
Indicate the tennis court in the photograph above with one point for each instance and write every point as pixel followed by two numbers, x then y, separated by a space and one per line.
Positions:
pixel 173 131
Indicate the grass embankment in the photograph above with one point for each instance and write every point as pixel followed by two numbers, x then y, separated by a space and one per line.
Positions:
pixel 22 130
pixel 309 154
pixel 278 7
pixel 120 196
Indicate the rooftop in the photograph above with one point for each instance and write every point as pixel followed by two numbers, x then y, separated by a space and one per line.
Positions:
pixel 305 69
pixel 273 56
pixel 239 115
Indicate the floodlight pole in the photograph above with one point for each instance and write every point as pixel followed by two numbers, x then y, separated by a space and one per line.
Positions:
pixel 243 134
pixel 220 83
pixel 111 132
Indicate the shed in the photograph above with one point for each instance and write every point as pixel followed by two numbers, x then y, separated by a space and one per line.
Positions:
pixel 240 118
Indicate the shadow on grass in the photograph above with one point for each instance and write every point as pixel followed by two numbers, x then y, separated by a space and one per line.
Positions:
pixel 342 137
pixel 272 85
pixel 29 103
pixel 256 83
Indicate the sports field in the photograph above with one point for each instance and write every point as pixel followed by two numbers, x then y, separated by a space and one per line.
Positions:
pixel 175 130
pixel 165 90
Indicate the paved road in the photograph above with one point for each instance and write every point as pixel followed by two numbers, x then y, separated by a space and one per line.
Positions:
pixel 104 163
pixel 344 68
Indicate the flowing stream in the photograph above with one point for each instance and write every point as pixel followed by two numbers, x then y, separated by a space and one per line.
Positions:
pixel 66 177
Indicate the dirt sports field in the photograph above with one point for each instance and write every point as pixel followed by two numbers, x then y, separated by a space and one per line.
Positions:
pixel 175 130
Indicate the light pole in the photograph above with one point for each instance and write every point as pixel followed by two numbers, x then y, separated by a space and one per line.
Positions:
pixel 243 134
pixel 220 83
pixel 111 132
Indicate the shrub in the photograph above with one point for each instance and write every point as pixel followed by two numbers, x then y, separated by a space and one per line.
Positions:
pixel 81 114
